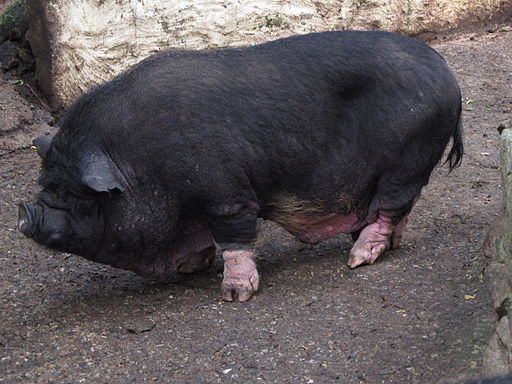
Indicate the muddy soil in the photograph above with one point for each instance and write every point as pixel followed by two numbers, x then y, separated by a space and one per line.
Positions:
pixel 421 314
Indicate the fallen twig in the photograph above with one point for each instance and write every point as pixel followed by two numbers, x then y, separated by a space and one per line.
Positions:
pixel 37 96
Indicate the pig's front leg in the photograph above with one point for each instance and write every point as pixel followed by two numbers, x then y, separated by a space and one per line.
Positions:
pixel 241 278
pixel 234 229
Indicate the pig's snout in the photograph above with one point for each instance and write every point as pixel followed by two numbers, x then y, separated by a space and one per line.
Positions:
pixel 26 218
pixel 45 225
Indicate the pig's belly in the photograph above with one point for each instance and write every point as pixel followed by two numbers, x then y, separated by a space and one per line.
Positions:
pixel 312 221
pixel 317 228
pixel 192 250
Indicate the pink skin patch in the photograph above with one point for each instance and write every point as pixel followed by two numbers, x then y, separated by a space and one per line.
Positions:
pixel 241 278
pixel 198 261
pixel 314 230
pixel 375 239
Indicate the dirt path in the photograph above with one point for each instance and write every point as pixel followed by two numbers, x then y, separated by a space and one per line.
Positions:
pixel 402 320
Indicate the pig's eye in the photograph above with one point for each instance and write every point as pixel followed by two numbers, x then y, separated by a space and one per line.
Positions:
pixel 61 194
pixel 61 198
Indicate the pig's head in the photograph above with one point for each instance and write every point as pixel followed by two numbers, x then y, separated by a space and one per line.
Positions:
pixel 87 207
pixel 69 214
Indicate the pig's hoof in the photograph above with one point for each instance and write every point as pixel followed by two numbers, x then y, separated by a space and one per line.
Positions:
pixel 241 278
pixel 239 287
pixel 365 254
pixel 372 242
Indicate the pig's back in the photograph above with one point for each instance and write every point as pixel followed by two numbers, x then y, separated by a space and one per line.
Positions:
pixel 313 114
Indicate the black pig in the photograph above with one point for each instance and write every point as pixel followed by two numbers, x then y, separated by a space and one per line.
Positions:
pixel 325 133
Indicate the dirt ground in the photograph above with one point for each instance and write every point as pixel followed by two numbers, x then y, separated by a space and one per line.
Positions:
pixel 421 314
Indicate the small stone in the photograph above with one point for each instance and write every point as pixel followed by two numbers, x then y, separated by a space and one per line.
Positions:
pixel 143 326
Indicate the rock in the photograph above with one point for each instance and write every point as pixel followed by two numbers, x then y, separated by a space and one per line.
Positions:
pixel 498 356
pixel 141 326
pixel 498 285
pixel 15 54
pixel 79 43
pixel 503 332
pixel 14 57
pixel 26 61
pixel 495 359
pixel 8 56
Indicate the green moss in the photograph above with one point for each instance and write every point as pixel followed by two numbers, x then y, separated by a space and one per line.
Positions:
pixel 409 10
pixel 13 17
pixel 274 21
pixel 14 13
pixel 359 4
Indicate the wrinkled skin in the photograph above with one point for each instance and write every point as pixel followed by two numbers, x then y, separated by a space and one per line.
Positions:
pixel 324 134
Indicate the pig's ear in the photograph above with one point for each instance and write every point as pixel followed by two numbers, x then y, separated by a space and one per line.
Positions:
pixel 42 144
pixel 99 174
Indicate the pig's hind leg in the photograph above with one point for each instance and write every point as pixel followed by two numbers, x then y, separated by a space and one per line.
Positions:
pixel 396 191
pixel 392 205
pixel 398 231
pixel 376 238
